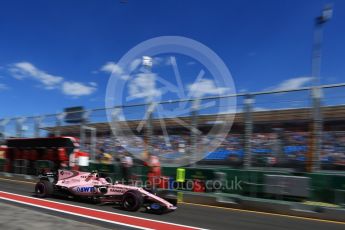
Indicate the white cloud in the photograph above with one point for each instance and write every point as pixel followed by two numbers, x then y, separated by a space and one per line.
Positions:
pixel 205 87
pixel 143 86
pixel 94 84
pixel 112 67
pixel 293 83
pixel 134 64
pixel 21 70
pixel 125 77
pixel 3 87
pixel 77 88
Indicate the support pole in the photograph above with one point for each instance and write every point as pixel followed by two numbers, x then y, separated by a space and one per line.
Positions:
pixel 316 90
pixel 248 130
pixel 149 127
pixel 19 126
pixel 59 119
pixel 3 124
pixel 38 124
pixel 83 129
pixel 194 131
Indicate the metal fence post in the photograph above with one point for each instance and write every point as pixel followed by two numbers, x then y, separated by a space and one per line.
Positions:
pixel 115 117
pixel 38 123
pixel 316 90
pixel 278 146
pixel 93 144
pixel 19 126
pixel 59 118
pixel 83 123
pixel 149 127
pixel 93 140
pixel 3 124
pixel 248 130
pixel 317 129
pixel 194 130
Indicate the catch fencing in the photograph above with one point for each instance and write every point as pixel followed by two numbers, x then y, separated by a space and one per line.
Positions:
pixel 301 128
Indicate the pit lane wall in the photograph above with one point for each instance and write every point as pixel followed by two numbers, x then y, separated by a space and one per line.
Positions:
pixel 325 187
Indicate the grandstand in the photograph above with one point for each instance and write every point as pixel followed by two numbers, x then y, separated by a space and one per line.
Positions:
pixel 300 117
pixel 280 137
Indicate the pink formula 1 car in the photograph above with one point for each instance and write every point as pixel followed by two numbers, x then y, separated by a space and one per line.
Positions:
pixel 79 185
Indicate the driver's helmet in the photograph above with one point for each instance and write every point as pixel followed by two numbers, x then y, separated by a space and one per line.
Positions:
pixel 94 173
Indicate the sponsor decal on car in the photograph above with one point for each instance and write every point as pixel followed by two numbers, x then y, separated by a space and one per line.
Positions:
pixel 86 189
pixel 118 190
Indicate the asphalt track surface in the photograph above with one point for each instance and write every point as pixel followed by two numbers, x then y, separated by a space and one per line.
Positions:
pixel 187 214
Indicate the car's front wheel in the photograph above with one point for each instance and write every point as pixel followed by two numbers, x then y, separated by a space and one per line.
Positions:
pixel 44 189
pixel 132 201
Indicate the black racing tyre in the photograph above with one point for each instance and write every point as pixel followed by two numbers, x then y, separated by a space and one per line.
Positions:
pixel 95 200
pixel 44 189
pixel 132 200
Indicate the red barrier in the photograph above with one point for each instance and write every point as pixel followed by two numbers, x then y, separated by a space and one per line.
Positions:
pixel 26 154
pixel 50 156
pixel 33 155
pixel 17 154
pixel 62 154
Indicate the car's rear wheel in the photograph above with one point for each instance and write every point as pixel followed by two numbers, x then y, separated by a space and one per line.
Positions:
pixel 44 189
pixel 132 201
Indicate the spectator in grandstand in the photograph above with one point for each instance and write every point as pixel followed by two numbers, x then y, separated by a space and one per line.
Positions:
pixel 126 166
pixel 271 160
pixel 103 157
pixel 100 155
pixel 234 160
pixel 107 158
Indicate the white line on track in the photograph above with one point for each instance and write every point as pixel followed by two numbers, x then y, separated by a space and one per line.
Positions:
pixel 91 217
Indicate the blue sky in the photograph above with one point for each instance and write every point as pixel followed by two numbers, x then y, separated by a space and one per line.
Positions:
pixel 57 54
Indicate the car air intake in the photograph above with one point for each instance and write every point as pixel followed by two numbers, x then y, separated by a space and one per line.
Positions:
pixel 103 189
